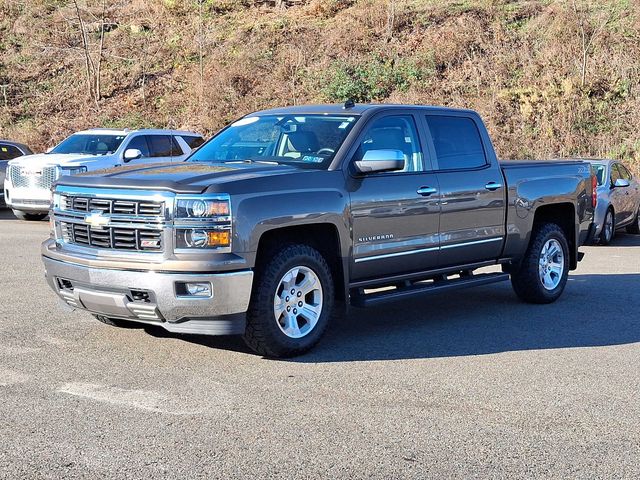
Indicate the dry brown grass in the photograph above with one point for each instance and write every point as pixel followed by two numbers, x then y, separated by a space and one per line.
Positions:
pixel 172 63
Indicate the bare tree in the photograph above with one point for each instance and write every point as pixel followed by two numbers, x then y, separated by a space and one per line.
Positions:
pixel 589 32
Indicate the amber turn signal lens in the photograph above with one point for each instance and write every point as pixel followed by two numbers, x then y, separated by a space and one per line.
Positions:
pixel 219 238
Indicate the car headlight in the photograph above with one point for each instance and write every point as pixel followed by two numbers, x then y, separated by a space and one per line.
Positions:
pixel 197 208
pixel 72 170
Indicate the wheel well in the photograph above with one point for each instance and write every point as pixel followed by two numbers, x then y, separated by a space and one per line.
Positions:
pixel 323 237
pixel 563 215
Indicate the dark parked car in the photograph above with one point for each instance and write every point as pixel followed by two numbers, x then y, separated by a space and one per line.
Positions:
pixel 8 151
pixel 288 212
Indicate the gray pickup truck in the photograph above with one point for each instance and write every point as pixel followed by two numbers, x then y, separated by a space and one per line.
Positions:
pixel 288 213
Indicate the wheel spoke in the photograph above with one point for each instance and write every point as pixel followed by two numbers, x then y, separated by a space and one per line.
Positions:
pixel 291 325
pixel 311 314
pixel 308 284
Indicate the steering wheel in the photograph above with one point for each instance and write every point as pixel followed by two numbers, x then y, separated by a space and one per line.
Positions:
pixel 326 151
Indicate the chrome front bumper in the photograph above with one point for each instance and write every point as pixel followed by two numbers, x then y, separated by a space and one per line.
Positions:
pixel 113 293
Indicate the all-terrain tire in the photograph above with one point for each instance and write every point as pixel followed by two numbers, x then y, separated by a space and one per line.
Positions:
pixel 634 228
pixel 263 333
pixel 31 217
pixel 526 280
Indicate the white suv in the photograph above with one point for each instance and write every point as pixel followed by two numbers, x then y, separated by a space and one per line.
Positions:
pixel 29 178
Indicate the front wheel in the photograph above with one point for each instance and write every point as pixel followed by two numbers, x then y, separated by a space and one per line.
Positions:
pixel 291 302
pixel 543 273
pixel 32 217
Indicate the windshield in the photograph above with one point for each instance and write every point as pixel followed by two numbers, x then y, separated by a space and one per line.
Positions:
pixel 90 144
pixel 600 172
pixel 308 141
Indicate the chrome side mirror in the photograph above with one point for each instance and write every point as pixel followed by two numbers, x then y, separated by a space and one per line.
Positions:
pixel 621 183
pixel 380 161
pixel 131 154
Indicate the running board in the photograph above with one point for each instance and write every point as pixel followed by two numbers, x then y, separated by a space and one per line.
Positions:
pixel 436 286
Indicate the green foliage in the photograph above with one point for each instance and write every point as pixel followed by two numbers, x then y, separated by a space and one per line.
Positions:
pixel 371 80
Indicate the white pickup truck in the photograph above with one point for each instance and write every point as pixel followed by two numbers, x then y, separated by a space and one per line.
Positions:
pixel 27 187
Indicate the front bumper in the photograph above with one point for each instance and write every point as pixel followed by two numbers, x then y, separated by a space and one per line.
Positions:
pixel 115 294
pixel 30 200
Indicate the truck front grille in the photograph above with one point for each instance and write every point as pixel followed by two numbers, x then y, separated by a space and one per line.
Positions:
pixel 120 238
pixel 117 206
pixel 39 179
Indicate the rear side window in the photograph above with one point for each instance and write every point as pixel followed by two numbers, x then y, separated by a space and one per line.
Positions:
pixel 193 142
pixel 7 152
pixel 176 149
pixel 457 142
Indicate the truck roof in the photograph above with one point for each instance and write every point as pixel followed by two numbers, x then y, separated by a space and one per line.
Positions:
pixel 126 131
pixel 356 109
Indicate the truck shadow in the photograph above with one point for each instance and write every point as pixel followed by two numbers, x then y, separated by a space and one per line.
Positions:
pixel 596 310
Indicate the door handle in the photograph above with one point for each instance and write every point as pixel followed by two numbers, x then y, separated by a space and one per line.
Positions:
pixel 426 191
pixel 493 186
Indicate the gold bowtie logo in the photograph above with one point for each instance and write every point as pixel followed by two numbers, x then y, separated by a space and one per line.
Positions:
pixel 96 219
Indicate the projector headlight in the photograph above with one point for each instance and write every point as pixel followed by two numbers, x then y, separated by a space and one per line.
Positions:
pixel 201 208
pixel 197 238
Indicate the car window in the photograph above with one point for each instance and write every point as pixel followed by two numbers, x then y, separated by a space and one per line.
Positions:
pixel 193 141
pixel 7 152
pixel 615 173
pixel 457 142
pixel 140 142
pixel 160 145
pixel 600 171
pixel 176 150
pixel 626 174
pixel 394 133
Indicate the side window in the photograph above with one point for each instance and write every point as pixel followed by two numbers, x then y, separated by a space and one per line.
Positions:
pixel 193 142
pixel 176 150
pixel 160 145
pixel 7 152
pixel 615 173
pixel 626 174
pixel 457 142
pixel 140 142
pixel 394 133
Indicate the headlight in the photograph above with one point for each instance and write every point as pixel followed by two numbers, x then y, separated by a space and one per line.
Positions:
pixel 72 170
pixel 202 238
pixel 201 208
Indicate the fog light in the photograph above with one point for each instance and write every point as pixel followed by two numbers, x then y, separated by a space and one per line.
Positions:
pixel 194 289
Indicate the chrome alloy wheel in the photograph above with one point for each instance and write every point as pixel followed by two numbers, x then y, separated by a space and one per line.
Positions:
pixel 297 304
pixel 608 226
pixel 551 264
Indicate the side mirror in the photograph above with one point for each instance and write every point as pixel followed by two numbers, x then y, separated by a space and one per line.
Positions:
pixel 131 154
pixel 621 183
pixel 380 161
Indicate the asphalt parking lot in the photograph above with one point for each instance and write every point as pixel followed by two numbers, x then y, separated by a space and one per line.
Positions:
pixel 471 384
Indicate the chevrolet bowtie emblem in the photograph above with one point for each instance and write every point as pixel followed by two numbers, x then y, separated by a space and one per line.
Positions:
pixel 96 219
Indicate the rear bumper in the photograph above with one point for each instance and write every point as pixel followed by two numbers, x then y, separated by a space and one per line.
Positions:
pixel 112 293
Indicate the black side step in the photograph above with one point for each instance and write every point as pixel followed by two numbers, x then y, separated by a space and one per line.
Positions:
pixel 437 286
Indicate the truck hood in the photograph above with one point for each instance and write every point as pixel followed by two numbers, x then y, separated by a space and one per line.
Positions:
pixel 183 177
pixel 39 160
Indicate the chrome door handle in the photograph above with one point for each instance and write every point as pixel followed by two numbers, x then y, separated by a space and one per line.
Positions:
pixel 426 191
pixel 493 186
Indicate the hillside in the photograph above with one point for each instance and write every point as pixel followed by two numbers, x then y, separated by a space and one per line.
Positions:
pixel 551 78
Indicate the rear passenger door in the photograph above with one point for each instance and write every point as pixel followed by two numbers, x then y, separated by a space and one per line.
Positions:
pixel 472 190
pixel 394 214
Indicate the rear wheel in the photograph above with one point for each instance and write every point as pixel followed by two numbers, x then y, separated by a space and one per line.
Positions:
pixel 608 228
pixel 291 302
pixel 543 273
pixel 634 228
pixel 33 217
